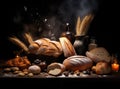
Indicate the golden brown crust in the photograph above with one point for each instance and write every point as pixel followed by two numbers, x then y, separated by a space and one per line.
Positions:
pixel 21 62
pixel 102 68
pixel 48 47
pixel 67 47
pixel 77 63
pixel 57 45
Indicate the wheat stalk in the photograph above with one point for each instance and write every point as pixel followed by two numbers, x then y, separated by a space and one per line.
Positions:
pixel 19 43
pixel 85 24
pixel 78 26
pixel 86 27
pixel 29 38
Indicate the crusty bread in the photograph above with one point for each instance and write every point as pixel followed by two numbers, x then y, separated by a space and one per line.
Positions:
pixel 99 54
pixel 55 68
pixel 67 47
pixel 57 45
pixel 47 47
pixel 77 62
pixel 102 68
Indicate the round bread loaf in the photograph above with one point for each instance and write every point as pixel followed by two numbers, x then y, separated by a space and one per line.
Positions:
pixel 35 69
pixel 55 68
pixel 77 62
pixel 99 54
pixel 102 68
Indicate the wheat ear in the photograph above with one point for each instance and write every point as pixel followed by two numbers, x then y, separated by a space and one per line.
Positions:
pixel 16 41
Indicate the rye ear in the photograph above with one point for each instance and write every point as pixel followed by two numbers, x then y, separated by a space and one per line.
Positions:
pixel 29 38
pixel 18 42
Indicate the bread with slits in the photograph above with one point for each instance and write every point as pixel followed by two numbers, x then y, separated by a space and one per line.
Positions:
pixel 77 62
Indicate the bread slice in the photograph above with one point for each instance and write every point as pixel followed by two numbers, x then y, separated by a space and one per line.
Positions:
pixel 99 54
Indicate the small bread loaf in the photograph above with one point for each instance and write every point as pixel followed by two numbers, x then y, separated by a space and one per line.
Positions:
pixel 35 69
pixel 67 47
pixel 77 62
pixel 99 54
pixel 102 68
pixel 55 68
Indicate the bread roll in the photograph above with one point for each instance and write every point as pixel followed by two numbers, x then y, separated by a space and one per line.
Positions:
pixel 99 54
pixel 67 47
pixel 102 68
pixel 35 69
pixel 77 62
pixel 55 68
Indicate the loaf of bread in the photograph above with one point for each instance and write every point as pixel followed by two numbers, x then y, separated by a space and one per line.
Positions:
pixel 99 54
pixel 45 46
pixel 35 69
pixel 102 68
pixel 55 68
pixel 67 47
pixel 77 62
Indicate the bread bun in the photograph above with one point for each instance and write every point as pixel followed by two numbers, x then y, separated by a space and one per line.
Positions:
pixel 55 68
pixel 102 68
pixel 99 54
pixel 35 69
pixel 77 62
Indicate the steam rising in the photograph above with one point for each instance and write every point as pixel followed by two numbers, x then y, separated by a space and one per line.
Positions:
pixel 73 8
pixel 53 23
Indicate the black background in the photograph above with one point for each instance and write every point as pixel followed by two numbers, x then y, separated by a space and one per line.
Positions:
pixel 104 27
